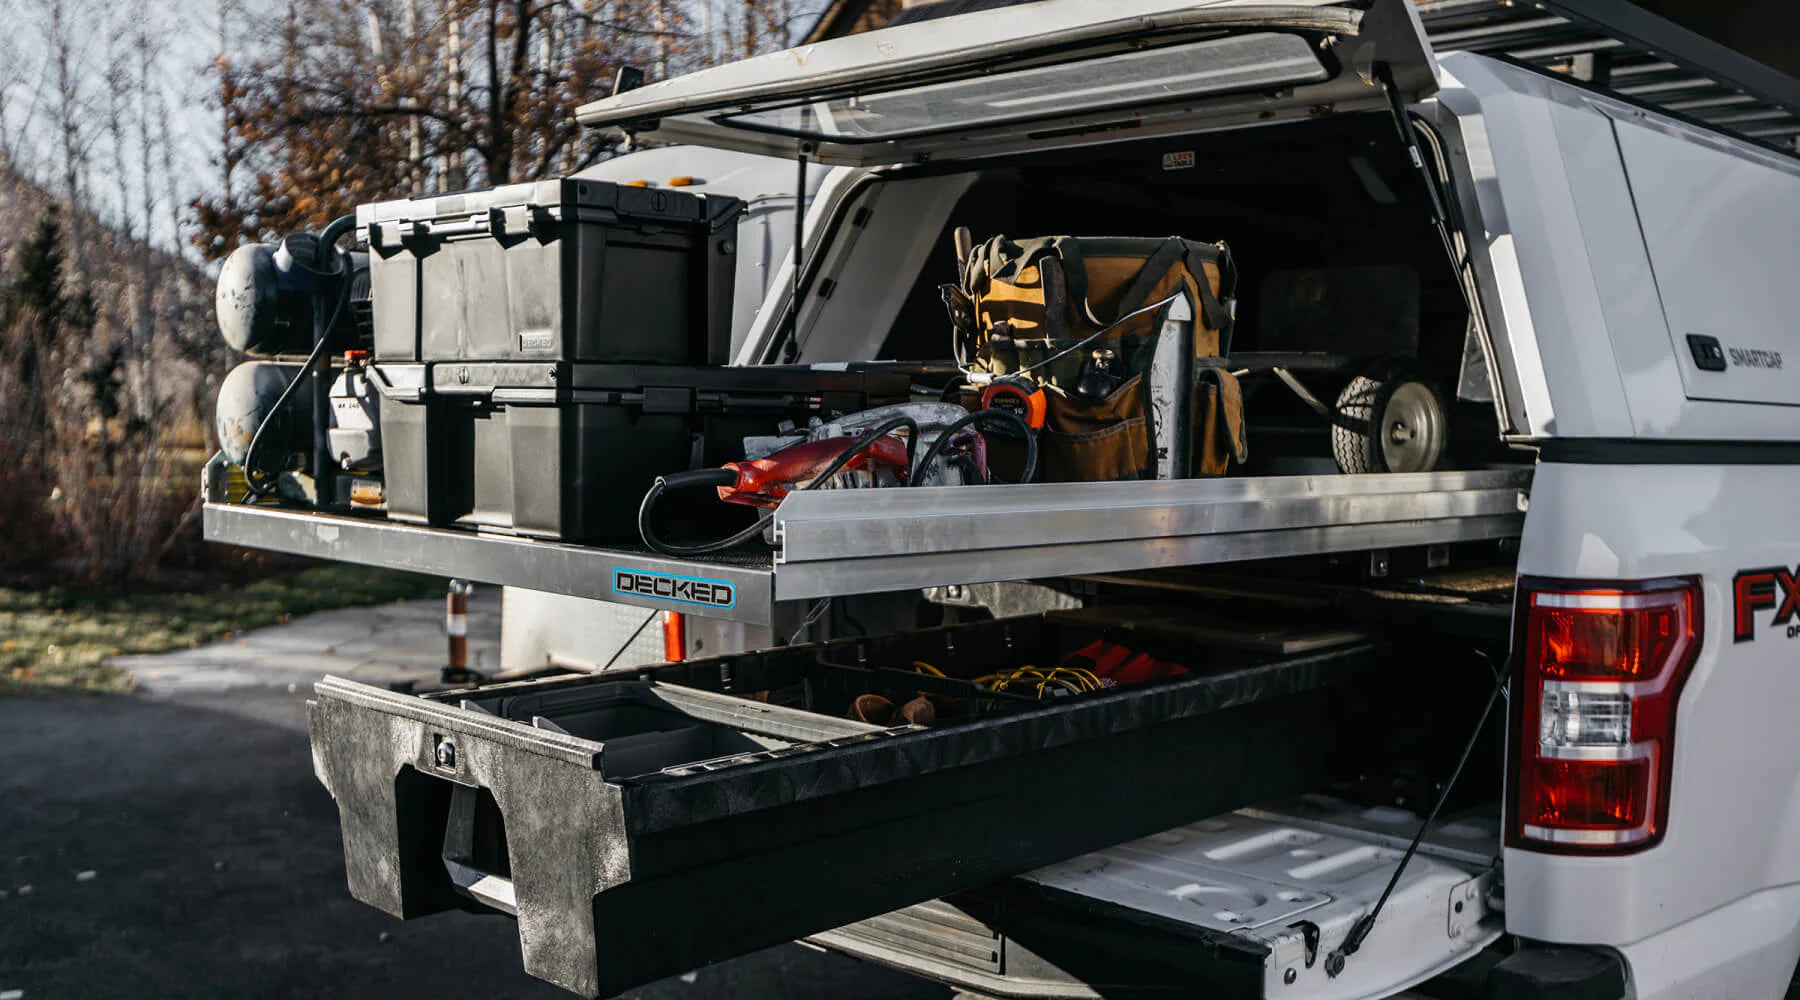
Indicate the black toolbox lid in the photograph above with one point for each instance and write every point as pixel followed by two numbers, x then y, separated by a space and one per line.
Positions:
pixel 524 209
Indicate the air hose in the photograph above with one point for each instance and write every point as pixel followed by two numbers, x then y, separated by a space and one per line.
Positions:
pixel 715 478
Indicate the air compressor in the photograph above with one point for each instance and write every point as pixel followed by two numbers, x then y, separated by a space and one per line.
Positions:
pixel 300 416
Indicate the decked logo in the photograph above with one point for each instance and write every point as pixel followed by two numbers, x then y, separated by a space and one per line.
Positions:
pixel 1757 590
pixel 676 589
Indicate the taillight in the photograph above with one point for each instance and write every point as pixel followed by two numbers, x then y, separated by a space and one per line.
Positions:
pixel 1599 669
pixel 674 628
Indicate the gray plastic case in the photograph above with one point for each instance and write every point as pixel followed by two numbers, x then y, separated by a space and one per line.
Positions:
pixel 559 270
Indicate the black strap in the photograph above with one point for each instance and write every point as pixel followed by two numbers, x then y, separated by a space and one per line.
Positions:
pixel 1155 268
pixel 1074 268
pixel 1211 308
pixel 1056 297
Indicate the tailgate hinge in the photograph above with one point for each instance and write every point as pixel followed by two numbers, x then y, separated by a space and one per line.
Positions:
pixel 1468 904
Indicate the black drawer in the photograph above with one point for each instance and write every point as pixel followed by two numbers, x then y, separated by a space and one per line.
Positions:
pixel 645 826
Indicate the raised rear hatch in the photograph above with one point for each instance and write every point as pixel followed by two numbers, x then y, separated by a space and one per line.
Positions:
pixel 1065 72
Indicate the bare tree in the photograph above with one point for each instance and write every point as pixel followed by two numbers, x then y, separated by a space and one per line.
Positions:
pixel 462 91
pixel 149 277
pixel 69 113
pixel 11 79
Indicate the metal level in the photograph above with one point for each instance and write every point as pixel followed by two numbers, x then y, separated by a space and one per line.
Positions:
pixel 839 542
pixel 1619 48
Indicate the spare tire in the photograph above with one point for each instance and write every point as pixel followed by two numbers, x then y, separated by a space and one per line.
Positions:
pixel 1392 420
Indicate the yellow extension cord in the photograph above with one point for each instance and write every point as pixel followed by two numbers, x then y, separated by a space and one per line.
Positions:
pixel 1072 679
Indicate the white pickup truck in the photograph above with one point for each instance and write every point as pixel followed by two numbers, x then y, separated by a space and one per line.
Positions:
pixel 1518 725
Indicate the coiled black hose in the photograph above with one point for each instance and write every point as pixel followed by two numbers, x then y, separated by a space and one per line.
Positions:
pixel 984 416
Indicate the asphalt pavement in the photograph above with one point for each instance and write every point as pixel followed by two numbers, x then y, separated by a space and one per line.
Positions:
pixel 174 843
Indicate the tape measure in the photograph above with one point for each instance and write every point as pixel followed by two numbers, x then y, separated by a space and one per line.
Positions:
pixel 1018 395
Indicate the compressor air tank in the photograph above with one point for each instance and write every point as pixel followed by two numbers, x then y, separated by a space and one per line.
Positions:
pixel 246 398
pixel 266 294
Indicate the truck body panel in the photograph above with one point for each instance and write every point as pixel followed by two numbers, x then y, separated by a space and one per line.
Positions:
pixel 1735 792
pixel 1554 221
pixel 969 86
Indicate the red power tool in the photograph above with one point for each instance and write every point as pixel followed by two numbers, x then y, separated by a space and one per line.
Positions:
pixel 763 482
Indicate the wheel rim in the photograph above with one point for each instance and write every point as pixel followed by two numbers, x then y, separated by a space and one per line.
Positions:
pixel 1411 429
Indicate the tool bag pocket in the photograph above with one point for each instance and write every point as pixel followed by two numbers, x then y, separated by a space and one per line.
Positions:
pixel 1094 440
pixel 1107 439
pixel 1219 437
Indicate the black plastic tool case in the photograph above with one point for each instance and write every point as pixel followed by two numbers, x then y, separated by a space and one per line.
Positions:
pixel 557 270
pixel 567 451
pixel 642 827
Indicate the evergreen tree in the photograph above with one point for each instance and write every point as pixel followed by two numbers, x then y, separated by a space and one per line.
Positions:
pixel 37 290
pixel 32 314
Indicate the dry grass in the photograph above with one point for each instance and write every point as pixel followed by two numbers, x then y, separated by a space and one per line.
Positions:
pixel 57 640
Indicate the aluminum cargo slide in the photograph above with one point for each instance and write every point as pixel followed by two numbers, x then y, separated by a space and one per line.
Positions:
pixel 837 542
pixel 641 827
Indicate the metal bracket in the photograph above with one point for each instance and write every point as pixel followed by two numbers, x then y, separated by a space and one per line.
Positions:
pixel 1003 600
pixel 1467 906
pixel 1380 563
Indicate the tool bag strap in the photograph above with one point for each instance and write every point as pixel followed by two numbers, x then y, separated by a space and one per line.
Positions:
pixel 1215 313
pixel 1004 258
pixel 1156 267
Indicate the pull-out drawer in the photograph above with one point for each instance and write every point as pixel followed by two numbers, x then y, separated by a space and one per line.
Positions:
pixel 644 826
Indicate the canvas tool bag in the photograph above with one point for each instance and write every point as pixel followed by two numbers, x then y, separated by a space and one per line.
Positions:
pixel 1083 317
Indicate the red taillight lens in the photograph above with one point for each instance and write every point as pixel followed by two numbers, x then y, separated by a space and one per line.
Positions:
pixel 674 627
pixel 1586 794
pixel 1605 635
pixel 1599 670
